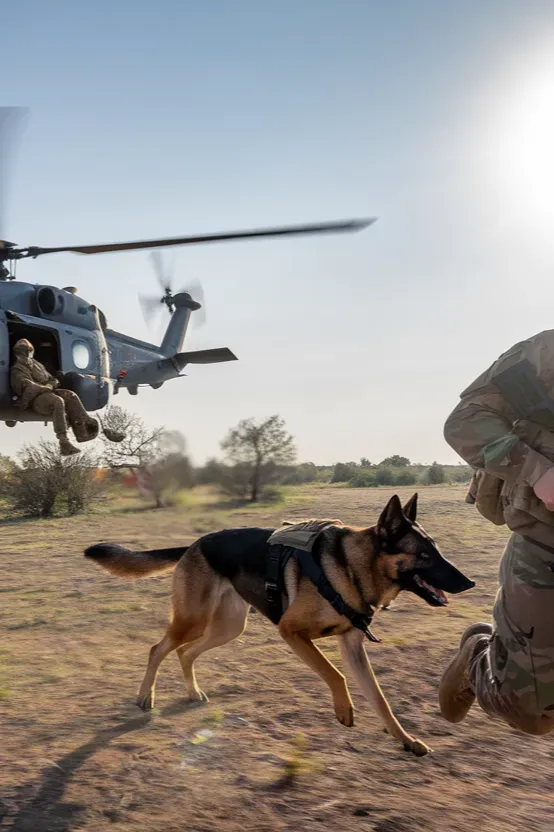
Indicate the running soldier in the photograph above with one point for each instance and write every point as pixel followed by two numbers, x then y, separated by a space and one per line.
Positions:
pixel 504 428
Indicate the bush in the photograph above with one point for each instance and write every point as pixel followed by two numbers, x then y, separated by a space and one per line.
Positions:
pixel 235 480
pixel 211 473
pixel 42 481
pixel 405 477
pixel 435 474
pixel 363 478
pixel 166 477
pixel 299 474
pixel 272 494
pixel 384 476
pixel 461 474
pixel 344 471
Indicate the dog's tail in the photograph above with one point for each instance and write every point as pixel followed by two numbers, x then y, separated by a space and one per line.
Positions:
pixel 128 564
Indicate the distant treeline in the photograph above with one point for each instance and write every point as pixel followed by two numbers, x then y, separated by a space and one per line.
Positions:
pixel 394 470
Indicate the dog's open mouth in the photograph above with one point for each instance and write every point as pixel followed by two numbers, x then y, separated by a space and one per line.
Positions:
pixel 431 594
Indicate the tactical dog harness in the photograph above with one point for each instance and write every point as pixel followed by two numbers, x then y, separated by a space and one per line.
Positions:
pixel 297 541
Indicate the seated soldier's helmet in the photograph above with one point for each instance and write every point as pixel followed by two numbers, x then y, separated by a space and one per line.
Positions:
pixel 23 348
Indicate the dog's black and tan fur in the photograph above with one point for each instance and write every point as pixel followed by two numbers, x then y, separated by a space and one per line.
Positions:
pixel 219 576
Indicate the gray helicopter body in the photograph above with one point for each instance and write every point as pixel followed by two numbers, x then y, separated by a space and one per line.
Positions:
pixel 71 335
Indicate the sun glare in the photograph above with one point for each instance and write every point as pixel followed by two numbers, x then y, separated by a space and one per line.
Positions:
pixel 519 141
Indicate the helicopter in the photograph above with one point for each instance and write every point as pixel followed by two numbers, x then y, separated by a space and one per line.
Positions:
pixel 70 335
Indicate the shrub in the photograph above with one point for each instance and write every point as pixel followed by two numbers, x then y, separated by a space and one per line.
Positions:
pixel 42 481
pixel 384 476
pixel 363 478
pixel 435 474
pixel 405 477
pixel 343 472
pixel 272 494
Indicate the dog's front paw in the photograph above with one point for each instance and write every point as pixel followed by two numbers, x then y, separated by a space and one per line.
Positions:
pixel 345 714
pixel 417 747
pixel 146 703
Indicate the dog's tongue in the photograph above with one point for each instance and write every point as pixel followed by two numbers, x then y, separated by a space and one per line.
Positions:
pixel 440 594
pixel 433 589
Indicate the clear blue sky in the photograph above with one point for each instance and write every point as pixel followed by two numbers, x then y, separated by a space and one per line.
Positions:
pixel 153 119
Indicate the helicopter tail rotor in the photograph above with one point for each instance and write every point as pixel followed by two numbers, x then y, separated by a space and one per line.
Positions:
pixel 151 305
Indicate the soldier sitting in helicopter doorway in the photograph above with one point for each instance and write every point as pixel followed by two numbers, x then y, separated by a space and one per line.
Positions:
pixel 41 392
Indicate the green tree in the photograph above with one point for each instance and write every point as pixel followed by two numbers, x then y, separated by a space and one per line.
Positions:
pixel 395 462
pixel 260 446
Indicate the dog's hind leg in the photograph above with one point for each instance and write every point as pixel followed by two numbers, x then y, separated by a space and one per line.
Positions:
pixel 226 623
pixel 175 635
pixel 353 653
pixel 196 591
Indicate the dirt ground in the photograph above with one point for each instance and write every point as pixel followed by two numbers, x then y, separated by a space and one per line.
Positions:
pixel 76 753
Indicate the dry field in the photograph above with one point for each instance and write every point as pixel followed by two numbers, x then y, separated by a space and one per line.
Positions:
pixel 76 753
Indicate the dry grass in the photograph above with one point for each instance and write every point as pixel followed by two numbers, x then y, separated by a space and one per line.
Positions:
pixel 266 752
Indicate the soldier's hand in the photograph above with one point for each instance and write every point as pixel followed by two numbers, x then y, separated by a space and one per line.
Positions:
pixel 544 489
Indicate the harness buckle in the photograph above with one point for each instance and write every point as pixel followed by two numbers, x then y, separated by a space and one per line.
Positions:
pixel 272 592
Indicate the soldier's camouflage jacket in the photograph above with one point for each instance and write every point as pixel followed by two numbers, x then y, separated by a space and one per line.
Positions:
pixel 504 425
pixel 28 379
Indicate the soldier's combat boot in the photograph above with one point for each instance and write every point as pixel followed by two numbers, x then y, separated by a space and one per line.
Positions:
pixel 93 427
pixel 66 448
pixel 456 695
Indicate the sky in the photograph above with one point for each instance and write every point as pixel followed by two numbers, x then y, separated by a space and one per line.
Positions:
pixel 159 119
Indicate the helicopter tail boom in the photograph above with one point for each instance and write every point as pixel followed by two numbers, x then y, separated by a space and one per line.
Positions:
pixel 157 372
pixel 176 330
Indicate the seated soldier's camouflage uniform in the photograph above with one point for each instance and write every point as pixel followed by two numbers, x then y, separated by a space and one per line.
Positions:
pixel 507 435
pixel 40 392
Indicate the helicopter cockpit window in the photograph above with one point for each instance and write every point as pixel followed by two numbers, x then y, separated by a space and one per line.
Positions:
pixel 81 355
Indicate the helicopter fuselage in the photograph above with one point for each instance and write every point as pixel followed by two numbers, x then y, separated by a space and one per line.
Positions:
pixel 71 335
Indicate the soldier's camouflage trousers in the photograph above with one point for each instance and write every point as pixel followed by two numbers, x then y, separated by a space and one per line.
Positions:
pixel 63 407
pixel 512 673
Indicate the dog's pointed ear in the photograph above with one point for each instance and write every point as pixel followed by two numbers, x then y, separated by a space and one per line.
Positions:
pixel 391 520
pixel 410 509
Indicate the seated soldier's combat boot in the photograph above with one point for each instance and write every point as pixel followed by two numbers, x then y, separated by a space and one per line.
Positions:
pixel 85 429
pixel 66 448
pixel 93 427
pixel 456 695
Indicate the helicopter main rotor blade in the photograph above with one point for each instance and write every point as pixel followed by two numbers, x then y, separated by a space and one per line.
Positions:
pixel 285 231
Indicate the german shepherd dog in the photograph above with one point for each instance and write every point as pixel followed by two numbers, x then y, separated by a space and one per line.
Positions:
pixel 222 574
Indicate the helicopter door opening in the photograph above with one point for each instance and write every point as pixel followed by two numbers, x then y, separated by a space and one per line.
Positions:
pixel 45 342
